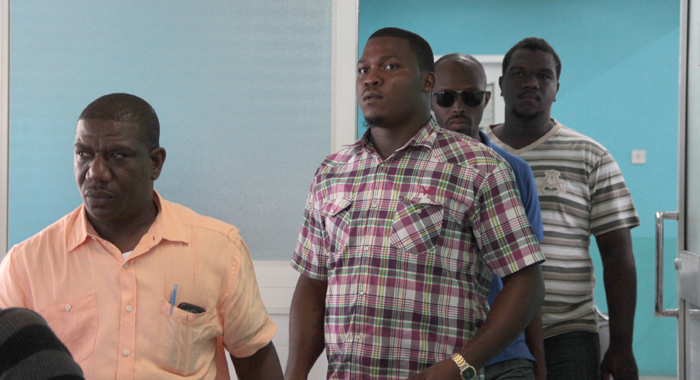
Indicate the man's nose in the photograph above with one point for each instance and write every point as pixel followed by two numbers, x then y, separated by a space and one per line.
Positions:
pixel 532 81
pixel 99 171
pixel 372 79
pixel 459 105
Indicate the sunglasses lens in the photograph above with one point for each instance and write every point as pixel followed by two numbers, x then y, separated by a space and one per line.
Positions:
pixel 472 98
pixel 445 98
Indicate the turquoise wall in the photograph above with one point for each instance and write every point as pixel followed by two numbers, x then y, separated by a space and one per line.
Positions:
pixel 242 90
pixel 619 84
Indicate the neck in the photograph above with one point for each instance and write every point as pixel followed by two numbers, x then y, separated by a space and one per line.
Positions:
pixel 519 133
pixel 125 235
pixel 388 139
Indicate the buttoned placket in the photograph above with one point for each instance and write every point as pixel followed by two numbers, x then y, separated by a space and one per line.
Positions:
pixel 376 186
pixel 127 319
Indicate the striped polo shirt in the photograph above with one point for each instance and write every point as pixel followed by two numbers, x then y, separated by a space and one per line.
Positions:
pixel 582 193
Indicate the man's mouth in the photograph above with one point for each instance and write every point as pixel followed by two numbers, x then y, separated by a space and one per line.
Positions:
pixel 98 194
pixel 530 96
pixel 457 120
pixel 369 95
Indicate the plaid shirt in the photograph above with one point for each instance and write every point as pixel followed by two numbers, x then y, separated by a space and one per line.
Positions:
pixel 408 246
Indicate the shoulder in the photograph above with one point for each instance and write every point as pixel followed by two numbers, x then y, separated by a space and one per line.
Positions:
pixel 57 233
pixel 458 149
pixel 515 162
pixel 203 224
pixel 569 139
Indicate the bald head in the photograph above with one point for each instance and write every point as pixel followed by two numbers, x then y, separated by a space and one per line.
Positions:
pixel 126 108
pixel 463 74
pixel 466 62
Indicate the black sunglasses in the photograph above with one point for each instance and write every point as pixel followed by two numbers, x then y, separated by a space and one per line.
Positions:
pixel 471 98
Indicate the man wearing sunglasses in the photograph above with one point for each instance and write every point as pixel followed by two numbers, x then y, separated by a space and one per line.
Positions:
pixel 459 99
pixel 582 193
pixel 402 233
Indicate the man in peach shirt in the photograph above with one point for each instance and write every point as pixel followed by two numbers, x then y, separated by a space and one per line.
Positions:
pixel 135 286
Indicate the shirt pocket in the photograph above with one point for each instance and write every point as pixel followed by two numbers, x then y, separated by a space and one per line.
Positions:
pixel 416 225
pixel 186 341
pixel 336 214
pixel 75 323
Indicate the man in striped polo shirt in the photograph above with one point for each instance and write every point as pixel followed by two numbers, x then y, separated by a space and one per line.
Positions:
pixel 582 193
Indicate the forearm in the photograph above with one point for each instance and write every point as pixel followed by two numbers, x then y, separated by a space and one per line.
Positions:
pixel 512 310
pixel 620 279
pixel 535 343
pixel 264 364
pixel 306 340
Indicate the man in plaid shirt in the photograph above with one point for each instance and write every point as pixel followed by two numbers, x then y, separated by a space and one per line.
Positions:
pixel 402 233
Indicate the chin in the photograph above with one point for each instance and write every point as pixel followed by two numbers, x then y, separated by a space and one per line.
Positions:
pixel 374 121
pixel 527 116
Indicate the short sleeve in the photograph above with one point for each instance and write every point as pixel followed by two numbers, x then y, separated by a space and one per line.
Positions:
pixel 11 294
pixel 247 326
pixel 611 202
pixel 531 200
pixel 309 254
pixel 501 227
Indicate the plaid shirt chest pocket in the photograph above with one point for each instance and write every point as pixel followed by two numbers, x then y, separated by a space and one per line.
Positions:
pixel 416 225
pixel 336 216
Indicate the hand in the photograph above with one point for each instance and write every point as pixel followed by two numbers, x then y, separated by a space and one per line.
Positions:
pixel 620 363
pixel 444 370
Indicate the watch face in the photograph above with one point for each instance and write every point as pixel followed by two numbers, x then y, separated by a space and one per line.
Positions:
pixel 469 373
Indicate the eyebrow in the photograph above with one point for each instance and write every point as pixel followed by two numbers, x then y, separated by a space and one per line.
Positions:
pixel 382 58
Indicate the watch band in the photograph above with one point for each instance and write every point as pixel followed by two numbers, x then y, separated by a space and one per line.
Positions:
pixel 466 371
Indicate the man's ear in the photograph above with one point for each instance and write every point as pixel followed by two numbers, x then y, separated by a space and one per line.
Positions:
pixel 500 84
pixel 428 82
pixel 555 95
pixel 157 157
pixel 487 95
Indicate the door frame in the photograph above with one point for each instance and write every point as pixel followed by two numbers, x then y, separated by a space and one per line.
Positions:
pixel 682 154
pixel 4 122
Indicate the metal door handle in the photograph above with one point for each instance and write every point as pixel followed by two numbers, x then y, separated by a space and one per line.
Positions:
pixel 659 310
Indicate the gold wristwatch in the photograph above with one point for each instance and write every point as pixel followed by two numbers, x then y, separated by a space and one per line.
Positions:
pixel 466 371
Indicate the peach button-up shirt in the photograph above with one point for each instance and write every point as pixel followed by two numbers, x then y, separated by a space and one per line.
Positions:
pixel 115 316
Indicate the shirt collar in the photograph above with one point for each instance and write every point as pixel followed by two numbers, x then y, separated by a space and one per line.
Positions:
pixel 167 226
pixel 425 137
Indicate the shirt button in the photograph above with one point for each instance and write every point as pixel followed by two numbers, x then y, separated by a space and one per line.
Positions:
pixel 349 338
pixel 67 307
pixel 128 309
pixel 126 265
pixel 361 293
pixel 367 248
pixel 127 352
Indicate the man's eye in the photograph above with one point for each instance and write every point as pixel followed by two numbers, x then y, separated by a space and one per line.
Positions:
pixel 117 155
pixel 81 154
pixel 391 66
pixel 361 70
pixel 544 76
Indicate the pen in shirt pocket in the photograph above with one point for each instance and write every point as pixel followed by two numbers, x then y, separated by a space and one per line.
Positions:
pixel 173 297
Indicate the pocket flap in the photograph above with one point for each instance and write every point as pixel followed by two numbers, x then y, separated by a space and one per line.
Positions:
pixel 422 200
pixel 335 206
pixel 73 306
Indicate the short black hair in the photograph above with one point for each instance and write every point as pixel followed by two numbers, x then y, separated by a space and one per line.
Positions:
pixel 421 47
pixel 533 44
pixel 126 108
